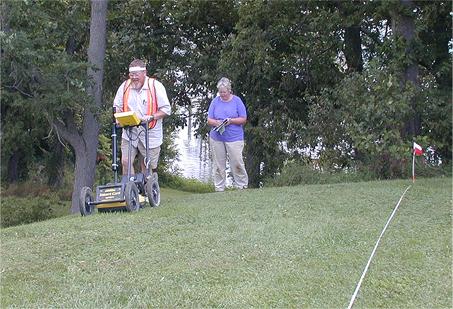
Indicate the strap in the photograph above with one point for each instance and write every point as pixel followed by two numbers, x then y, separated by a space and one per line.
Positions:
pixel 126 95
pixel 151 107
pixel 152 102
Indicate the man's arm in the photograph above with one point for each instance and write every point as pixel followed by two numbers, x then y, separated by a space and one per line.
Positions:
pixel 118 101
pixel 163 104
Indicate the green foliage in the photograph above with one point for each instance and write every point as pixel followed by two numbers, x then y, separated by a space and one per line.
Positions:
pixel 306 173
pixel 20 210
pixel 435 108
pixel 286 61
pixel 43 76
pixel 104 160
pixel 425 169
pixel 273 60
pixel 360 123
pixel 167 180
pixel 300 173
pixel 434 25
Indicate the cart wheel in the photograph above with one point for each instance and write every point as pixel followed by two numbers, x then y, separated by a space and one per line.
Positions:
pixel 153 192
pixel 85 198
pixel 131 197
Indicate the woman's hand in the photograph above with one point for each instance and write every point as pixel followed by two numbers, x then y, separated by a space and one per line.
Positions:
pixel 237 120
pixel 216 122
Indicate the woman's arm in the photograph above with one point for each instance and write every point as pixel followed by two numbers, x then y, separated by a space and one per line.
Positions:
pixel 214 122
pixel 238 120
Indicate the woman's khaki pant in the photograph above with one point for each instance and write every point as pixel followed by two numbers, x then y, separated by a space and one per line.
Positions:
pixel 232 150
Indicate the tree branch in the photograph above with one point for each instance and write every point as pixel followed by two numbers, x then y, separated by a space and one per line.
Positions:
pixel 67 130
pixel 22 92
pixel 371 35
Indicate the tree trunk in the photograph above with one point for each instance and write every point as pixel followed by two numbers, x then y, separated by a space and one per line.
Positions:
pixel 352 40
pixel 85 145
pixel 13 167
pixel 84 172
pixel 353 49
pixel 252 161
pixel 404 26
pixel 85 168
pixel 4 23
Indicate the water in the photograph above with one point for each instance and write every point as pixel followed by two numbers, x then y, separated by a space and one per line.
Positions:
pixel 194 156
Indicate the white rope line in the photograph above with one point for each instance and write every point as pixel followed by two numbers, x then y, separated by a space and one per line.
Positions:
pixel 374 250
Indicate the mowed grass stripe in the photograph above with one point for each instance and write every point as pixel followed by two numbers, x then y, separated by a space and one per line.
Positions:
pixel 303 246
pixel 413 264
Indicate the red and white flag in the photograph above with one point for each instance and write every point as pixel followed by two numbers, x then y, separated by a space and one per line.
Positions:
pixel 418 150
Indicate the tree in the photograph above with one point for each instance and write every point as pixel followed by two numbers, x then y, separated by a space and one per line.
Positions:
pixel 85 142
pixel 368 120
pixel 50 88
pixel 403 26
pixel 23 126
pixel 301 67
pixel 182 41
pixel 434 26
pixel 281 52
pixel 352 16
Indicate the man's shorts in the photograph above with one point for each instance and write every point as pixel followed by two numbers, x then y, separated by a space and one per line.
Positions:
pixel 153 153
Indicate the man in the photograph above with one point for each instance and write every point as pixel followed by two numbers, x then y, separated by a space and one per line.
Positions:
pixel 146 97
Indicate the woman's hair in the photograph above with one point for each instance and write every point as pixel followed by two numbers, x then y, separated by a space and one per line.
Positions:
pixel 224 82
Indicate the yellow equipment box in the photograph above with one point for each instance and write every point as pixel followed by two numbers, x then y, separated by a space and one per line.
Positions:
pixel 127 119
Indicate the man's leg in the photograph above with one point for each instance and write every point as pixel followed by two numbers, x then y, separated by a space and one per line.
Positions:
pixel 124 156
pixel 153 159
pixel 218 164
pixel 237 165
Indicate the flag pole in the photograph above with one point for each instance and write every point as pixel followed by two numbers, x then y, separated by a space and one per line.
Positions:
pixel 413 166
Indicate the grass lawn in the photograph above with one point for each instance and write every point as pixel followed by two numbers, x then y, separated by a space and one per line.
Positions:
pixel 303 246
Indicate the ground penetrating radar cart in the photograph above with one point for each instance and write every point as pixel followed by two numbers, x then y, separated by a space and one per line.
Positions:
pixel 133 191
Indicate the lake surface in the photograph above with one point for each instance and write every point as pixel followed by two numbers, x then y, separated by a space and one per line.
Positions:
pixel 194 159
pixel 194 156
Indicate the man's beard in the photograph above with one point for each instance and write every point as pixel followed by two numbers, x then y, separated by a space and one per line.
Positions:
pixel 136 85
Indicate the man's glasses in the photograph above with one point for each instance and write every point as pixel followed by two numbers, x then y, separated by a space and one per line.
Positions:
pixel 136 73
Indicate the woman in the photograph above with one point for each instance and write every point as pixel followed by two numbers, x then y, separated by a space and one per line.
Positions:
pixel 226 116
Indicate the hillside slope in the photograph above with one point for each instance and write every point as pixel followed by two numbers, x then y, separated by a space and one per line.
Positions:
pixel 303 246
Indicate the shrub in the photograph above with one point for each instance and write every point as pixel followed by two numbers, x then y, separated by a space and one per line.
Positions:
pixel 295 173
pixel 30 189
pixel 184 184
pixel 424 169
pixel 20 210
pixel 364 119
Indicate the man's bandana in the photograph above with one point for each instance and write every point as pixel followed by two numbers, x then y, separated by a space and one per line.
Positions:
pixel 136 69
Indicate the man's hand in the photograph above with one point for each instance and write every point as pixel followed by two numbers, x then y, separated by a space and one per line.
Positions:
pixel 147 118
